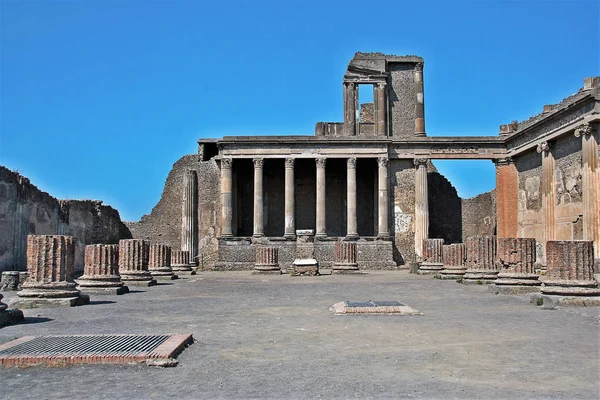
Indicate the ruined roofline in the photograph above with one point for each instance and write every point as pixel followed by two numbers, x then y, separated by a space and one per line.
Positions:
pixel 387 57
pixel 363 139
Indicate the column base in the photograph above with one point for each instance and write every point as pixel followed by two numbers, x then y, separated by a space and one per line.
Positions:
pixel 40 302
pixel 352 237
pixel 105 290
pixel 430 268
pixel 551 302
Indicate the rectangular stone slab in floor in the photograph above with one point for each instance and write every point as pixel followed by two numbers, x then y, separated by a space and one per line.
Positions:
pixel 374 307
pixel 91 349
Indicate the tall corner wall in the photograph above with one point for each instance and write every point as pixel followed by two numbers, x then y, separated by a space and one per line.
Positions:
pixel 479 215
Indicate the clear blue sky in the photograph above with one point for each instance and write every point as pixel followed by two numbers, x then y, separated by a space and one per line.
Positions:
pixel 100 98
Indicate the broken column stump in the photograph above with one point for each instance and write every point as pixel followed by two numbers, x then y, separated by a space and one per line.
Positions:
pixel 9 317
pixel 516 260
pixel 570 275
pixel 305 262
pixel 455 261
pixel 10 280
pixel 481 260
pixel 101 270
pixel 433 256
pixel 50 267
pixel 267 261
pixel 133 262
pixel 180 263
pixel 159 262
pixel 345 258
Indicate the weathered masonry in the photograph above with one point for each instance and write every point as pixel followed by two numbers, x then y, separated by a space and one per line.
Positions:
pixel 369 179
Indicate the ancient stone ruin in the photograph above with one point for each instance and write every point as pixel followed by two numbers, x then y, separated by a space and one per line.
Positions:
pixel 101 270
pixel 481 260
pixel 133 262
pixel 516 266
pixel 267 261
pixel 433 256
pixel 345 258
pixel 159 262
pixel 180 262
pixel 455 261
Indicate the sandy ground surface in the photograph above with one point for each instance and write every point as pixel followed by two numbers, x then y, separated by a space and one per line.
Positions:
pixel 275 337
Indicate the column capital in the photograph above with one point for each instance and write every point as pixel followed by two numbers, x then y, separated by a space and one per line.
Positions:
pixel 419 66
pixel 226 162
pixel 383 162
pixel 381 85
pixel 258 162
pixel 352 162
pixel 420 161
pixel 321 162
pixel 289 162
pixel 584 129
pixel 503 161
pixel 543 147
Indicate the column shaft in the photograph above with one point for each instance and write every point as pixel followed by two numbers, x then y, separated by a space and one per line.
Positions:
pixel 380 109
pixel 350 108
pixel 258 198
pixel 419 101
pixel 321 191
pixel 590 181
pixel 383 205
pixel 290 217
pixel 226 197
pixel 548 193
pixel 421 206
pixel 506 198
pixel 189 214
pixel 352 231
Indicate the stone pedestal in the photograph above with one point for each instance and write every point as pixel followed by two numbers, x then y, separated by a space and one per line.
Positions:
pixel 101 270
pixel 515 260
pixel 180 263
pixel 9 317
pixel 267 261
pixel 10 280
pixel 481 260
pixel 133 262
pixel 159 262
pixel 433 256
pixel 305 262
pixel 455 261
pixel 345 258
pixel 50 267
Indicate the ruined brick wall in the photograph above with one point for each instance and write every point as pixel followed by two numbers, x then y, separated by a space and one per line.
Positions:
pixel 24 209
pixel 529 168
pixel 567 178
pixel 479 215
pixel 367 113
pixel 402 179
pixel 402 101
pixel 163 224
pixel 445 220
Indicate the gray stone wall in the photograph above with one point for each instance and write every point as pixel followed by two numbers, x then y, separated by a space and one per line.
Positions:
pixel 445 211
pixel 402 179
pixel 479 215
pixel 529 170
pixel 402 97
pixel 567 178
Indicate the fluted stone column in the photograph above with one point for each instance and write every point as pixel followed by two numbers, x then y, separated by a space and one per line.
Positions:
pixel 258 198
pixel 481 260
pixel 548 193
pixel 352 230
pixel 570 268
pixel 421 205
pixel 350 108
pixel 433 256
pixel 133 262
pixel 345 258
pixel 420 101
pixel 590 182
pixel 21 225
pixel 516 260
pixel 101 270
pixel 50 266
pixel 321 191
pixel 267 261
pixel 226 198
pixel 189 214
pixel 379 96
pixel 290 216
pixel 159 262
pixel 383 230
pixel 180 262
pixel 455 261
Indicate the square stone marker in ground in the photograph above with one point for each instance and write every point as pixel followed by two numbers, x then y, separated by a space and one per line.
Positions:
pixel 374 307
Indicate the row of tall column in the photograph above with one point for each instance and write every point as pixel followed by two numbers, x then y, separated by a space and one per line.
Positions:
pixel 289 206
pixel 351 109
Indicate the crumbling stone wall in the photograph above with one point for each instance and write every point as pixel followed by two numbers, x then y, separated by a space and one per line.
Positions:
pixel 402 97
pixel 479 215
pixel 24 209
pixel 402 179
pixel 367 113
pixel 163 224
pixel 445 215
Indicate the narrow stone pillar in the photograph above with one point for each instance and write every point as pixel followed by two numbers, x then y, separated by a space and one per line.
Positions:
pixel 267 261
pixel 548 193
pixel 433 256
pixel 159 262
pixel 421 205
pixel 133 262
pixel 516 259
pixel 507 197
pixel 101 270
pixel 455 261
pixel 481 260
pixel 21 225
pixel 305 262
pixel 321 191
pixel 50 267
pixel 226 198
pixel 379 95
pixel 570 269
pixel 258 198
pixel 189 214
pixel 180 262
pixel 419 101
pixel 590 182
pixel 290 216
pixel 350 108
pixel 383 230
pixel 345 258
pixel 352 230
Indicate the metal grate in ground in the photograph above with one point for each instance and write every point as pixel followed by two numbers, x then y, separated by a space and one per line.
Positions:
pixel 91 349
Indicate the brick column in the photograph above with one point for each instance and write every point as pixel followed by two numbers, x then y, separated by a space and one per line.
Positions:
pixel 590 182
pixel 226 198
pixel 258 198
pixel 101 270
pixel 421 205
pixel 352 230
pixel 548 193
pixel 345 258
pixel 481 260
pixel 159 262
pixel 455 261
pixel 189 214
pixel 290 216
pixel 180 262
pixel 570 269
pixel 507 197
pixel 379 96
pixel 350 108
pixel 433 256
pixel 133 262
pixel 516 260
pixel 419 101
pixel 321 191
pixel 383 230
pixel 267 261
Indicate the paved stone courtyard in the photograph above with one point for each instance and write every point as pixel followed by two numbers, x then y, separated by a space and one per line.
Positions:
pixel 274 337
